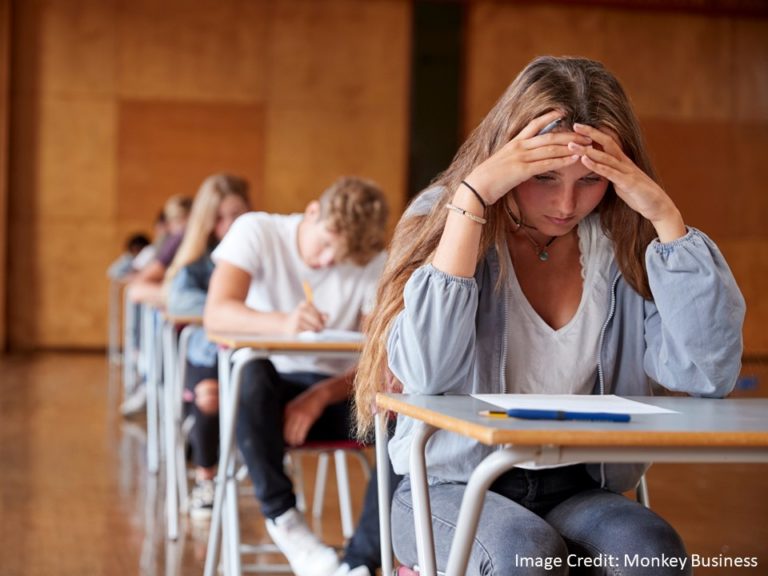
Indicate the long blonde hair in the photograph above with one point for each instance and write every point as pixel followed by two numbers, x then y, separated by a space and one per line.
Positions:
pixel 199 234
pixel 587 93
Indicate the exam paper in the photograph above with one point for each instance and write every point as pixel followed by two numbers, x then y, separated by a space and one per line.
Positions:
pixel 331 336
pixel 572 403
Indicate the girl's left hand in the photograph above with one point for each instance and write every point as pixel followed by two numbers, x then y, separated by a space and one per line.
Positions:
pixel 632 185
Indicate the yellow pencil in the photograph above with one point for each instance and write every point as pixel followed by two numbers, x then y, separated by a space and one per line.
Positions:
pixel 307 291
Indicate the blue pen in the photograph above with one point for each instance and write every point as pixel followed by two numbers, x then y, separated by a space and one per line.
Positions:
pixel 531 414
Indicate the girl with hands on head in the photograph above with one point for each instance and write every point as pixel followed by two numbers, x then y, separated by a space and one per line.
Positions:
pixel 547 259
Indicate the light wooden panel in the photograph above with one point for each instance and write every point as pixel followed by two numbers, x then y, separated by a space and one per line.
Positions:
pixel 117 105
pixel 168 148
pixel 750 66
pixel 5 45
pixel 714 171
pixel 77 158
pixel 748 259
pixel 700 86
pixel 71 303
pixel 63 185
pixel 215 50
pixel 672 65
pixel 338 100
pixel 78 45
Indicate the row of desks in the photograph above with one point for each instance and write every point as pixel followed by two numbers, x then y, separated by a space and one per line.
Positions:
pixel 701 430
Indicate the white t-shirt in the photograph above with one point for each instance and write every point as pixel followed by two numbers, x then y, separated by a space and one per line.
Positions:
pixel 542 360
pixel 266 247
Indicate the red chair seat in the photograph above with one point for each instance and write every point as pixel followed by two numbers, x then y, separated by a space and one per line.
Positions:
pixel 332 445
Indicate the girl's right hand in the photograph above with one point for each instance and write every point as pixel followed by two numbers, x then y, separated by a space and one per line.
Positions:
pixel 525 156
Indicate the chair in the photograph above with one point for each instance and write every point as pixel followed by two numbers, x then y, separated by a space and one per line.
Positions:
pixel 339 449
pixel 323 449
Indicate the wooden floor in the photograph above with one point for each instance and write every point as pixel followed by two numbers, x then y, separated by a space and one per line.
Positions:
pixel 75 496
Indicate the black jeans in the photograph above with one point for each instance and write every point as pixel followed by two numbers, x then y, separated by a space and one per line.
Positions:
pixel 364 548
pixel 204 435
pixel 263 395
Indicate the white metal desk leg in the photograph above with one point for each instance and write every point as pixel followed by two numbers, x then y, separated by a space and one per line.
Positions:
pixel 472 504
pixel 642 492
pixel 170 354
pixel 382 474
pixel 345 501
pixel 113 351
pixel 129 349
pixel 181 375
pixel 212 554
pixel 231 514
pixel 150 350
pixel 420 491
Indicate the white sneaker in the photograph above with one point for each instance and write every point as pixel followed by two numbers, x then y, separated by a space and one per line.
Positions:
pixel 135 403
pixel 201 500
pixel 304 551
pixel 345 570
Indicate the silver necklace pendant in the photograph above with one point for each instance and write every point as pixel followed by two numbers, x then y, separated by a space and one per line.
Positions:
pixel 543 255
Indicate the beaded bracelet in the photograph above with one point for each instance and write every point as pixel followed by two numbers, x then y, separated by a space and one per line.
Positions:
pixel 467 213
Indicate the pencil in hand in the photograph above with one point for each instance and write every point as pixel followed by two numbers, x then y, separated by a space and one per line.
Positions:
pixel 308 296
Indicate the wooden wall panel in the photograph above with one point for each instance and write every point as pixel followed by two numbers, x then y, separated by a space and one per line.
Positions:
pixel 78 45
pixel 700 86
pixel 672 65
pixel 750 70
pixel 168 148
pixel 77 159
pixel 119 104
pixel 748 259
pixel 71 296
pixel 5 45
pixel 63 171
pixel 193 49
pixel 338 98
pixel 309 154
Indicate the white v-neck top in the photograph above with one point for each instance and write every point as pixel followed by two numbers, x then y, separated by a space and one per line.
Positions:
pixel 541 360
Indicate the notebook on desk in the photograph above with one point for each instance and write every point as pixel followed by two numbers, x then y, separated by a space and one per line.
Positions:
pixel 608 403
pixel 331 336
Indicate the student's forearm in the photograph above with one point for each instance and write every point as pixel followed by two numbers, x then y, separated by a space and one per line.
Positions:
pixel 237 317
pixel 338 388
pixel 152 272
pixel 457 251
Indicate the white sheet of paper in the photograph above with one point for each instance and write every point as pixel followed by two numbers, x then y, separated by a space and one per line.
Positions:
pixel 331 336
pixel 571 403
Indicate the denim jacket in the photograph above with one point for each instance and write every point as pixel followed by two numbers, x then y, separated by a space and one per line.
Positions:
pixel 449 339
pixel 187 295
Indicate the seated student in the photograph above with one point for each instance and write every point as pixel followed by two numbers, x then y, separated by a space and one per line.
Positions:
pixel 220 200
pixel 123 267
pixel 257 286
pixel 548 260
pixel 148 253
pixel 146 286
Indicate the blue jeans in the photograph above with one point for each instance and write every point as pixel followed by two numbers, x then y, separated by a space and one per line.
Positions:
pixel 554 521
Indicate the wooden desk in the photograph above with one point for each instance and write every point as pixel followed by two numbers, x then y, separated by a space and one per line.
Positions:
pixel 235 352
pixel 703 430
